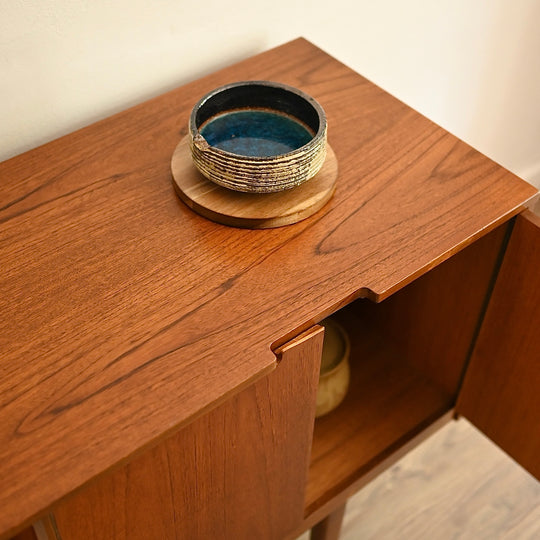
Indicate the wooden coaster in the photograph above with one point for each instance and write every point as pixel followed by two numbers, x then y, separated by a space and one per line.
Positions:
pixel 251 210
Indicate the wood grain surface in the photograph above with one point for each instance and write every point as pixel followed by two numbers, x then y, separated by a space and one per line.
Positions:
pixel 123 314
pixel 501 391
pixel 251 210
pixel 433 321
pixel 236 472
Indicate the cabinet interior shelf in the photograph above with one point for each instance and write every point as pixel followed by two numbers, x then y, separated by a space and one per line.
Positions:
pixel 388 403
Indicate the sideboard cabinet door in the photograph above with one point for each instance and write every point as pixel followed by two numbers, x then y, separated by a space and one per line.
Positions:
pixel 501 390
pixel 237 472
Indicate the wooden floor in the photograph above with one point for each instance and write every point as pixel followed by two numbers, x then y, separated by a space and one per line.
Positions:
pixel 457 484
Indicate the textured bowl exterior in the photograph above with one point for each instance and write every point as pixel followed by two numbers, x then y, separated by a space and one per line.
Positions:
pixel 259 174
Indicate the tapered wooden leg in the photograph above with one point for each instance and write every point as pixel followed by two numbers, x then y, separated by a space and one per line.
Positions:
pixel 329 528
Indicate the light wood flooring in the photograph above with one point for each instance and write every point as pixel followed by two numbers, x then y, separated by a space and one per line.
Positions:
pixel 455 485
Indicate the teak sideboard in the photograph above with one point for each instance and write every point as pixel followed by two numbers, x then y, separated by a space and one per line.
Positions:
pixel 159 370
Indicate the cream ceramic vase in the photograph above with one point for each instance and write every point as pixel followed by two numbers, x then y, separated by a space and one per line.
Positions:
pixel 335 372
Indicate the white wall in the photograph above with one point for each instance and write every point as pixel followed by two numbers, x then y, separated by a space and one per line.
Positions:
pixel 473 66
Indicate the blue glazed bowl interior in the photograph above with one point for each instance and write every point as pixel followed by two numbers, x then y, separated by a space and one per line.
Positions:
pixel 259 120
pixel 256 132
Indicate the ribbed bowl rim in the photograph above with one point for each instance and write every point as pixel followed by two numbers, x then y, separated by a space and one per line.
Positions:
pixel 321 132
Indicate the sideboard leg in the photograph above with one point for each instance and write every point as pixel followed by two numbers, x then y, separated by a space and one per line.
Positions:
pixel 329 527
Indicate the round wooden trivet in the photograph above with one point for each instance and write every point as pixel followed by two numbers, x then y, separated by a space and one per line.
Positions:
pixel 251 210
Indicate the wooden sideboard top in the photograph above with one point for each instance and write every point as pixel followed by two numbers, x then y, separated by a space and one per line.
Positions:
pixel 124 314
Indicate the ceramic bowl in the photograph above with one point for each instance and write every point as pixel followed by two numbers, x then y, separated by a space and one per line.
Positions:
pixel 335 372
pixel 258 136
